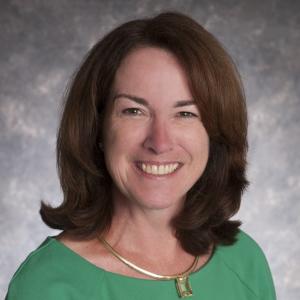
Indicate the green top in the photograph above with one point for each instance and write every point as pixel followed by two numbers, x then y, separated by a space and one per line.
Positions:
pixel 53 271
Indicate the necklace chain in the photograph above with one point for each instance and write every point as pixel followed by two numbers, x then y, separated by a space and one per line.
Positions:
pixel 143 271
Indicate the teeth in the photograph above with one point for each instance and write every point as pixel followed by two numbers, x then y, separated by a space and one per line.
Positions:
pixel 162 170
pixel 159 170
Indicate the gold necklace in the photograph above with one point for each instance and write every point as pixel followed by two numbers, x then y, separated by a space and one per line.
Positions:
pixel 183 285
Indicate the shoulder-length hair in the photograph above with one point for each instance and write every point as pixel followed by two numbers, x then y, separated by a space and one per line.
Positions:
pixel 216 87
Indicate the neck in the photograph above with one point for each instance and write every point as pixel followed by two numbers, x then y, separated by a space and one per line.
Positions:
pixel 140 230
pixel 145 238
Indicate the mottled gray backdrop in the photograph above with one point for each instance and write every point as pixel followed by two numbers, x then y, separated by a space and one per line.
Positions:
pixel 42 42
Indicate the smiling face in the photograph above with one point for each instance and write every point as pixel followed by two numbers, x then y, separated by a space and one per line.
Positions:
pixel 155 144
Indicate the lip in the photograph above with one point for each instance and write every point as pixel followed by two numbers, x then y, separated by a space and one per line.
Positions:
pixel 137 165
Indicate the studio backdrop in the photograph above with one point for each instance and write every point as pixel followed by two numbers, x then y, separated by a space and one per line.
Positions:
pixel 42 43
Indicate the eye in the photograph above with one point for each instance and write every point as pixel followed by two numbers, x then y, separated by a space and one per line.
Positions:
pixel 132 111
pixel 187 114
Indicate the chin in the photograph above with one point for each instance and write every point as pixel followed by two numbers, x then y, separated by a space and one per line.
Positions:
pixel 159 202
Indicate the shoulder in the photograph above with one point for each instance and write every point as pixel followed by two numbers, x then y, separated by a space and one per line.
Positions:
pixel 245 247
pixel 246 260
pixel 51 271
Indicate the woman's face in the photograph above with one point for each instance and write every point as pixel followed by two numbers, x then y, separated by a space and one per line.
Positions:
pixel 155 144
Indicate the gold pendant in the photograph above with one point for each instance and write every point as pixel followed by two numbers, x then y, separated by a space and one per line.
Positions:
pixel 183 286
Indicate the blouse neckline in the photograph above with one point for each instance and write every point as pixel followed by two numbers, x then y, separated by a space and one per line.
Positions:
pixel 83 260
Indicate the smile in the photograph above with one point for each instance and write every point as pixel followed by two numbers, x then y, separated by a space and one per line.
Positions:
pixel 158 169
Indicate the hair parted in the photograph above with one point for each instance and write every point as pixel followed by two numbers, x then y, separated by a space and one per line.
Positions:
pixel 217 90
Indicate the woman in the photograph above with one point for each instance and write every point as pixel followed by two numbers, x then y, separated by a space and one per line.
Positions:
pixel 151 154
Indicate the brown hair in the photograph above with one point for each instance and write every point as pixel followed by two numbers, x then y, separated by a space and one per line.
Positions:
pixel 216 87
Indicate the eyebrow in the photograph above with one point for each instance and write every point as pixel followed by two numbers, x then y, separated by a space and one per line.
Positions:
pixel 142 101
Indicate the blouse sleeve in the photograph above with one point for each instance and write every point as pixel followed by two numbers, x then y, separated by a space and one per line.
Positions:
pixel 265 282
pixel 248 262
pixel 27 289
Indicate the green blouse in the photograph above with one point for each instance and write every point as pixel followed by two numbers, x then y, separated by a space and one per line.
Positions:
pixel 53 271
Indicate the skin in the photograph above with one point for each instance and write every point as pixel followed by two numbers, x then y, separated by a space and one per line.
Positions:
pixel 155 132
pixel 151 118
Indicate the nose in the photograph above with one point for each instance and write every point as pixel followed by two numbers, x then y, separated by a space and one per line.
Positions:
pixel 159 137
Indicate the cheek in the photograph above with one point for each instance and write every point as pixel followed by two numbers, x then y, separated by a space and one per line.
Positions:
pixel 120 141
pixel 197 142
pixel 200 154
pixel 203 146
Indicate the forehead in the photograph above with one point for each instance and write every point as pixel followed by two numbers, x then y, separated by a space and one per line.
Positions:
pixel 151 70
